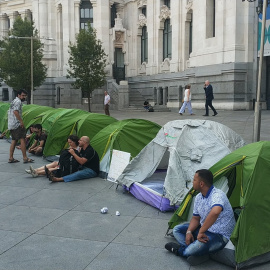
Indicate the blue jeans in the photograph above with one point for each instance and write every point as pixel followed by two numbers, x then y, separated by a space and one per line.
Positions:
pixel 188 105
pixel 216 242
pixel 82 174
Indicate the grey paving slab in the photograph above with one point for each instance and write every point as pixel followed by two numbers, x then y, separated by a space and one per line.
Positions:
pixel 9 239
pixel 85 225
pixel 54 253
pixel 27 219
pixel 140 232
pixel 55 199
pixel 8 175
pixel 115 200
pixel 10 194
pixel 26 180
pixel 123 257
pixel 87 185
pixel 152 212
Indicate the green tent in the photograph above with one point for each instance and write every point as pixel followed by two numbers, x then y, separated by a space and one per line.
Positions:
pixel 72 121
pixel 31 111
pixel 3 116
pixel 247 170
pixel 129 135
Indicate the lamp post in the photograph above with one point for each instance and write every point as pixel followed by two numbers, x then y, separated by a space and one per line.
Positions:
pixel 261 8
pixel 32 60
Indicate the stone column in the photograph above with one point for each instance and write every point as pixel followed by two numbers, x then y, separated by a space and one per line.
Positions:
pixel 77 16
pixel 3 25
pixel 12 16
pixel 123 95
pixel 26 14
pixel 59 39
pixel 43 18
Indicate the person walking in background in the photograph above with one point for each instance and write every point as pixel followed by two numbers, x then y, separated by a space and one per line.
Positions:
pixel 187 101
pixel 209 96
pixel 107 100
pixel 16 127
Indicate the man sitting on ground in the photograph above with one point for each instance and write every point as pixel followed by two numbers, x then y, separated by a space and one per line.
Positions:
pixel 39 143
pixel 88 159
pixel 211 225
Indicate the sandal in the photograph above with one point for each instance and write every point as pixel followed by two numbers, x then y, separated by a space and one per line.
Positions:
pixel 13 160
pixel 29 160
pixel 46 171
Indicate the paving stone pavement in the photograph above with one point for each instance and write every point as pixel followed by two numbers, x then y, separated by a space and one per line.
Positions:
pixel 46 225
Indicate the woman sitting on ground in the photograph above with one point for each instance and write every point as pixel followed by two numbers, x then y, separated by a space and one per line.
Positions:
pixel 73 142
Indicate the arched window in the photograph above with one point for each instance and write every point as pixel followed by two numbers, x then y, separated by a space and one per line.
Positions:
pixel 190 33
pixel 144 45
pixel 167 39
pixel 86 14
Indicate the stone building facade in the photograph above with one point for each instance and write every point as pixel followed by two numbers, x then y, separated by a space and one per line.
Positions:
pixel 154 48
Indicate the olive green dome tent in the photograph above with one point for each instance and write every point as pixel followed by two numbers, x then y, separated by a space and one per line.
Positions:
pixel 72 121
pixel 129 135
pixel 247 173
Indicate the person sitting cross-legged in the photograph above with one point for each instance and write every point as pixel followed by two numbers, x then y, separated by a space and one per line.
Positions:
pixel 211 226
pixel 39 143
pixel 87 158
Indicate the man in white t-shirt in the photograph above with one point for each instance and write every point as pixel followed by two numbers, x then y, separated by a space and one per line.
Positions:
pixel 107 100
pixel 211 226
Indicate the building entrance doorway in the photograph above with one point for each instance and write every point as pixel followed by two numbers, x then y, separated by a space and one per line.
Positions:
pixel 118 66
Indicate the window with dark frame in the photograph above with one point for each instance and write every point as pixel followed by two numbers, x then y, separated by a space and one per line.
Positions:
pixel 190 33
pixel 144 11
pixel 86 14
pixel 167 39
pixel 167 3
pixel 5 94
pixel 144 45
pixel 113 15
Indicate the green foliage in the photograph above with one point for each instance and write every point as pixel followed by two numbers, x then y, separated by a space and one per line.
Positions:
pixel 15 57
pixel 87 62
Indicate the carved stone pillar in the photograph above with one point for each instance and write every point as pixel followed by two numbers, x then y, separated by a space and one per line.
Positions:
pixel 43 18
pixel 77 16
pixel 3 25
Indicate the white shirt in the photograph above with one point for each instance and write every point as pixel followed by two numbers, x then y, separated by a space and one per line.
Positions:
pixel 186 97
pixel 107 99
pixel 13 122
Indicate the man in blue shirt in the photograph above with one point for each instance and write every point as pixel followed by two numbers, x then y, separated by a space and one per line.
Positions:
pixel 211 226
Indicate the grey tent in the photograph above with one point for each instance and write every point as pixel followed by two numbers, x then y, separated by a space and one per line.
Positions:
pixel 161 174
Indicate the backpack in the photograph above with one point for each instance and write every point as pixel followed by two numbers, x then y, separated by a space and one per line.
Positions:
pixel 67 164
pixel 151 109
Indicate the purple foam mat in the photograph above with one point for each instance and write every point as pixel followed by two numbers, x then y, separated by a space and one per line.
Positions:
pixel 150 197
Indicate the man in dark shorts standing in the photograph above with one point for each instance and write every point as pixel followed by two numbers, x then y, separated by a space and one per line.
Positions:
pixel 40 140
pixel 16 127
pixel 87 158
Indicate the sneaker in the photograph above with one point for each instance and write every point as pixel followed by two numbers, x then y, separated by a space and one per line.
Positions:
pixel 172 247
pixel 215 114
pixel 28 171
pixel 196 260
pixel 32 170
pixel 34 174
pixel 180 113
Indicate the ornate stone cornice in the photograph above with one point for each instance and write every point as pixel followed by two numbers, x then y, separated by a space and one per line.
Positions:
pixel 141 3
pixel 142 20
pixel 165 13
pixel 189 5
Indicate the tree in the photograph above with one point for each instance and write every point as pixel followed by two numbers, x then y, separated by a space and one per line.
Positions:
pixel 87 62
pixel 15 57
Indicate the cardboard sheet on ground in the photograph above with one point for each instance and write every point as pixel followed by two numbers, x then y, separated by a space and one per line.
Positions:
pixel 119 162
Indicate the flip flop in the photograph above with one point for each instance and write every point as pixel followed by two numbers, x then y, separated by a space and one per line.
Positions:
pixel 13 160
pixel 29 160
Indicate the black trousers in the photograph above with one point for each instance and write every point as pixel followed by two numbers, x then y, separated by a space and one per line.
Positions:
pixel 208 102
